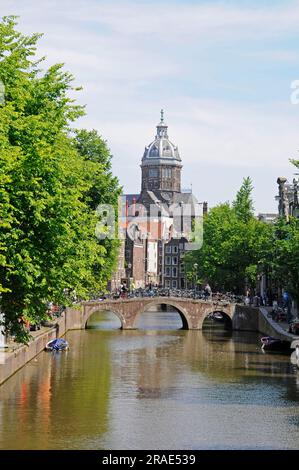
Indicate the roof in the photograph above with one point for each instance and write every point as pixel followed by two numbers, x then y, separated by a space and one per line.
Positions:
pixel 161 150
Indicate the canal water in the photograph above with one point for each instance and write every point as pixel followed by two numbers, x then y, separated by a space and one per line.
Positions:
pixel 153 388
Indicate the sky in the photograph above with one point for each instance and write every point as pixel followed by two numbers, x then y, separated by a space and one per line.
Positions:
pixel 221 70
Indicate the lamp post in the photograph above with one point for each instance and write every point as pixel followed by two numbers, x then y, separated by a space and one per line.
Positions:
pixel 195 266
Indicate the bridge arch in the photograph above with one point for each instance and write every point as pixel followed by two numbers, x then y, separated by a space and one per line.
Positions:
pixel 227 316
pixel 100 308
pixel 186 321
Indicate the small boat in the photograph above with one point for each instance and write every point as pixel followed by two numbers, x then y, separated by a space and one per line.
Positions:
pixel 217 316
pixel 295 354
pixel 274 344
pixel 58 344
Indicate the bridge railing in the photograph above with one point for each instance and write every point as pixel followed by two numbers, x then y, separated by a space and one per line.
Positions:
pixel 179 293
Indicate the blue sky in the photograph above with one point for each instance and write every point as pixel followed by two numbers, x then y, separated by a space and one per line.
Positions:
pixel 222 71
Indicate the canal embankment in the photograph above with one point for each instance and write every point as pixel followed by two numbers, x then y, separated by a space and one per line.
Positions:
pixel 259 319
pixel 15 356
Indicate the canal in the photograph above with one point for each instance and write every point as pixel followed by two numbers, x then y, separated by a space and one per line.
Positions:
pixel 157 387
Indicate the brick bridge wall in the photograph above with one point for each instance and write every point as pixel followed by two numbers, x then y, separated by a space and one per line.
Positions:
pixel 192 312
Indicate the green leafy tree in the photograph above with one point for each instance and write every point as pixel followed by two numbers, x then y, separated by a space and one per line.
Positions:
pixel 49 188
pixel 103 189
pixel 235 245
pixel 284 257
pixel 243 204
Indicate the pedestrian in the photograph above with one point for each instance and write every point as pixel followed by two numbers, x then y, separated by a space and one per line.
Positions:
pixel 256 300
pixel 287 305
pixel 207 291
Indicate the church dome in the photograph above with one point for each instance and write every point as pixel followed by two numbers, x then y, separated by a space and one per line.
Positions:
pixel 161 150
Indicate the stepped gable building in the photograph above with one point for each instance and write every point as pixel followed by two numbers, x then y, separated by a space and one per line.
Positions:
pixel 154 252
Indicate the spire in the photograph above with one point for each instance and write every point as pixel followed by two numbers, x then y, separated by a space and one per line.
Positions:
pixel 162 127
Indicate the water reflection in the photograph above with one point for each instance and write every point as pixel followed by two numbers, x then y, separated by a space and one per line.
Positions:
pixel 160 317
pixel 103 320
pixel 153 389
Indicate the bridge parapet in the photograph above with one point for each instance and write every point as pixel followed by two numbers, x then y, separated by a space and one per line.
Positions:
pixel 192 311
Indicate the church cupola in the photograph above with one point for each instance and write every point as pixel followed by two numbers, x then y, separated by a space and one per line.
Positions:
pixel 161 163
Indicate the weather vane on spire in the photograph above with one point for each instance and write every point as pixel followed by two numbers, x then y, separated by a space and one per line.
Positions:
pixel 162 115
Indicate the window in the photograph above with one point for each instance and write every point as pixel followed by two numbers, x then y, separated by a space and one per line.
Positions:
pixel 168 260
pixel 174 272
pixel 167 272
pixel 153 173
pixel 167 283
pixel 166 173
pixel 175 249
pixel 174 284
pixel 175 260
pixel 168 249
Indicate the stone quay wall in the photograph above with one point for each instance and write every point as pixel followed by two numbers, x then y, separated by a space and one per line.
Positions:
pixel 12 361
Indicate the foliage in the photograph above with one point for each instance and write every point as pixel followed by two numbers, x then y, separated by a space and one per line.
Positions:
pixel 283 259
pixel 50 184
pixel 243 205
pixel 235 244
pixel 103 189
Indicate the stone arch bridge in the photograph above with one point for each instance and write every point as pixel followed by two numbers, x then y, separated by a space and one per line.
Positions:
pixel 192 312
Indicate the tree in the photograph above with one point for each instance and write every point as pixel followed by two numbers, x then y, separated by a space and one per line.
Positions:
pixel 104 189
pixel 283 259
pixel 48 189
pixel 243 204
pixel 235 244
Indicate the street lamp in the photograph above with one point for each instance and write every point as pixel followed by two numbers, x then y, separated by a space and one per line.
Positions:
pixel 195 266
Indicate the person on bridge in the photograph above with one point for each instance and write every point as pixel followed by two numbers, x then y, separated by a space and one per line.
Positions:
pixel 207 291
pixel 123 290
pixel 287 305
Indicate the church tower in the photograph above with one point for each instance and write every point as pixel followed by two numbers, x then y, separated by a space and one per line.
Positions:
pixel 161 165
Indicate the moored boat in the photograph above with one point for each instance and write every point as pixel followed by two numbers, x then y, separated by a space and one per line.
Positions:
pixel 295 354
pixel 274 344
pixel 58 344
pixel 217 316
